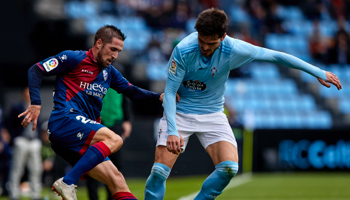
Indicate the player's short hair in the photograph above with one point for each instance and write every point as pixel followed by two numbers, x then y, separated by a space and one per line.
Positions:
pixel 211 22
pixel 107 32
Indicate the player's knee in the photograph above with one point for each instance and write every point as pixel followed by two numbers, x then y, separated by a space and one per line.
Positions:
pixel 227 168
pixel 116 142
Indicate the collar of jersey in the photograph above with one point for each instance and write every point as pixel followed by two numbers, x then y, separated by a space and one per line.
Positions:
pixel 91 55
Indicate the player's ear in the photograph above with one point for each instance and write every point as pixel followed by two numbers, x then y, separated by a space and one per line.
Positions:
pixel 223 37
pixel 99 43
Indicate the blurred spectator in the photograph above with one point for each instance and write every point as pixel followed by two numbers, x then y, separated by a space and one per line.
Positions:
pixel 258 14
pixel 5 157
pixel 340 52
pixel 232 116
pixel 318 44
pixel 116 115
pixel 312 9
pixel 47 155
pixel 273 21
pixel 26 151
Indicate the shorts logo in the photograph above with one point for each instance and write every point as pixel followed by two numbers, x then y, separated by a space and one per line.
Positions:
pixel 50 64
pixel 172 68
pixel 194 86
pixel 105 74
pixel 84 120
pixel 80 135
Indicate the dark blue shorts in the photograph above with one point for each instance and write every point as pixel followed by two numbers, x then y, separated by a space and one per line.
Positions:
pixel 71 135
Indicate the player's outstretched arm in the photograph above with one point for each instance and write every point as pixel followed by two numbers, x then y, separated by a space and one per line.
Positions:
pixel 31 115
pixel 33 111
pixel 331 78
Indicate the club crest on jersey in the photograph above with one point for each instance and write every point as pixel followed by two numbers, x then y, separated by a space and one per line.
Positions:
pixel 105 74
pixel 50 64
pixel 213 71
pixel 172 67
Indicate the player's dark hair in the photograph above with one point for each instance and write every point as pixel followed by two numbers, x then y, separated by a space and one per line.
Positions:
pixel 212 22
pixel 107 32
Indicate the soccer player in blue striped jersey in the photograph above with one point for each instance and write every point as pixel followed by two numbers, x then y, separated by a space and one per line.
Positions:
pixel 198 70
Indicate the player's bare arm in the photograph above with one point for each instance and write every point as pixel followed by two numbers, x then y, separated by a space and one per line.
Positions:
pixel 31 115
pixel 331 78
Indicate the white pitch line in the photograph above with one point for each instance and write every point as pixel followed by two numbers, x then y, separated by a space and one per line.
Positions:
pixel 236 181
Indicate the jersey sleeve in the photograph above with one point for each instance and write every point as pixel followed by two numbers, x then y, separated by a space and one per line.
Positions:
pixel 60 63
pixel 176 73
pixel 118 82
pixel 244 53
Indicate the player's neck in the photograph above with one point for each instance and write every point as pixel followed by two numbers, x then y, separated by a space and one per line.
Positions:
pixel 94 52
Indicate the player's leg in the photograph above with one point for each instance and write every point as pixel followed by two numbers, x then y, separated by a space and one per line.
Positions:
pixel 155 184
pixel 225 159
pixel 164 160
pixel 108 174
pixel 17 167
pixel 84 145
pixel 103 143
pixel 218 140
pixel 35 167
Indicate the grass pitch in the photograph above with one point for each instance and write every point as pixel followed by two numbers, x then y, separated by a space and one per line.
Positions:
pixel 260 186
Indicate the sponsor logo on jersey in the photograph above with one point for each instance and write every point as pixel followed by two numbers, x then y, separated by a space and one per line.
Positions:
pixel 213 71
pixel 172 67
pixel 105 74
pixel 194 86
pixel 63 58
pixel 50 64
pixel 87 71
pixel 94 89
pixel 84 120
pixel 80 135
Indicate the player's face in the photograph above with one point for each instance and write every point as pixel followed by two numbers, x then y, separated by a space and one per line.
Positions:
pixel 109 52
pixel 208 44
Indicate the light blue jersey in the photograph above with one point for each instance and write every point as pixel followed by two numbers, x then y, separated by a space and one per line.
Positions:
pixel 201 81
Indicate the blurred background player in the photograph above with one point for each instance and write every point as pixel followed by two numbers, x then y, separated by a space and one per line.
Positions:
pixel 26 151
pixel 74 129
pixel 116 115
pixel 5 156
pixel 198 70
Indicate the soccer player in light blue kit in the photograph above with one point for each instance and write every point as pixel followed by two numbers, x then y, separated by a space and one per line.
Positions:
pixel 198 71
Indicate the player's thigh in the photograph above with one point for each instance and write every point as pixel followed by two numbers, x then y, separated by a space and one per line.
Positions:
pixel 108 174
pixel 163 156
pixel 222 151
pixel 70 136
pixel 111 139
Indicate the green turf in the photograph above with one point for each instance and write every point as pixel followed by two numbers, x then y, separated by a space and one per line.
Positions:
pixel 265 186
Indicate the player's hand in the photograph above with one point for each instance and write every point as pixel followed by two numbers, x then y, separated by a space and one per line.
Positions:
pixel 178 98
pixel 31 114
pixel 161 97
pixel 174 144
pixel 331 78
pixel 126 125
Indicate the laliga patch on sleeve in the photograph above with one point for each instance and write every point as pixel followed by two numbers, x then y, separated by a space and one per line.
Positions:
pixel 50 64
pixel 172 68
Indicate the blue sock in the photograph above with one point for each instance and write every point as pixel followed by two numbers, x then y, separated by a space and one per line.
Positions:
pixel 218 180
pixel 92 157
pixel 155 184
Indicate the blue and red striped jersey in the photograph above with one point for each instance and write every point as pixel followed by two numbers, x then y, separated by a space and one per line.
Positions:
pixel 80 83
